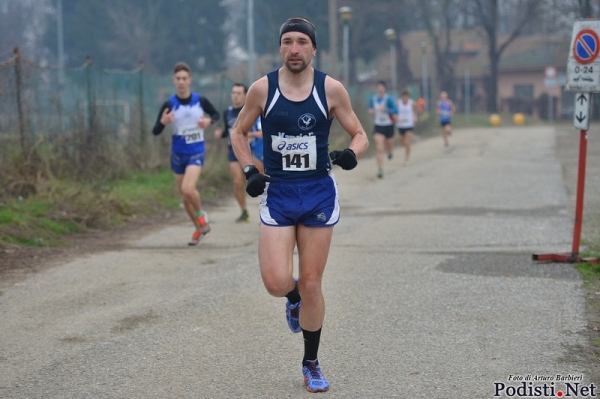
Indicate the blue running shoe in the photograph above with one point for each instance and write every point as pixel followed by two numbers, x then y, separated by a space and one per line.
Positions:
pixel 292 315
pixel 313 377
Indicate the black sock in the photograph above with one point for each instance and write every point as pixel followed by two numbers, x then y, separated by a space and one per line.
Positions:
pixel 311 344
pixel 293 296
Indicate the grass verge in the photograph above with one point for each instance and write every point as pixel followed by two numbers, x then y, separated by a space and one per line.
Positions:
pixel 74 207
pixel 590 275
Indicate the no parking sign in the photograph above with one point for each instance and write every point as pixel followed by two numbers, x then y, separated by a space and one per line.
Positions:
pixel 583 64
pixel 583 76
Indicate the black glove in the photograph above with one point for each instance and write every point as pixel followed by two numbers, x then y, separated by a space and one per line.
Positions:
pixel 256 181
pixel 345 159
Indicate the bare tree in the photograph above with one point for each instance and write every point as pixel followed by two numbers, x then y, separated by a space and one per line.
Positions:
pixel 370 20
pixel 134 31
pixel 21 24
pixel 439 20
pixel 488 15
pixel 585 8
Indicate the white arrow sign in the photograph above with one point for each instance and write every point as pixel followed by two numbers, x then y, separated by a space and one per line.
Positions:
pixel 581 117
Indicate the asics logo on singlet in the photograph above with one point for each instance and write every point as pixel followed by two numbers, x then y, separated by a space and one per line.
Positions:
pixel 307 121
pixel 292 146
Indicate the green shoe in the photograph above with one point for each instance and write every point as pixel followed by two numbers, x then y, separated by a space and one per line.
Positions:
pixel 244 217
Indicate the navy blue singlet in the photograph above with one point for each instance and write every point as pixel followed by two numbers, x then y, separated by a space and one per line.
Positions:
pixel 296 133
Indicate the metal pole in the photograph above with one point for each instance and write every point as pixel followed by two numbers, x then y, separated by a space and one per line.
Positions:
pixel 61 61
pixel 346 54
pixel 250 33
pixel 580 191
pixel 141 102
pixel 88 76
pixel 60 39
pixel 425 80
pixel 19 84
pixel 333 38
pixel 393 67
pixel 550 110
pixel 467 96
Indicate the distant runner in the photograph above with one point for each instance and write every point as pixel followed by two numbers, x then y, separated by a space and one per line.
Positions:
pixel 383 107
pixel 405 122
pixel 238 97
pixel 185 111
pixel 445 109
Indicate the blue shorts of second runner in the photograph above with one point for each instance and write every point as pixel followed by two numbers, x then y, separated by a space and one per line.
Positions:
pixel 181 161
pixel 257 150
pixel 230 154
pixel 312 202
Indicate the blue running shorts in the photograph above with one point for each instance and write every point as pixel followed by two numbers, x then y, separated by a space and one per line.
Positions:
pixel 230 154
pixel 181 161
pixel 257 150
pixel 312 202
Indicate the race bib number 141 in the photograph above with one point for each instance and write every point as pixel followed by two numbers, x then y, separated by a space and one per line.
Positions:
pixel 297 154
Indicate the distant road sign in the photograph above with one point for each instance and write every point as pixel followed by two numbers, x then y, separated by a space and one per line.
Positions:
pixel 581 117
pixel 550 72
pixel 583 64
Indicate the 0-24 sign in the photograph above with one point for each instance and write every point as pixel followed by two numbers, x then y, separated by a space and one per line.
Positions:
pixel 583 64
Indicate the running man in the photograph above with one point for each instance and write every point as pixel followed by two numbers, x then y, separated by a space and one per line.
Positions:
pixel 383 107
pixel 405 122
pixel 238 97
pixel 299 199
pixel 445 109
pixel 185 111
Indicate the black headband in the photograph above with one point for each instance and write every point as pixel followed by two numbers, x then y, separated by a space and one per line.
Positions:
pixel 299 25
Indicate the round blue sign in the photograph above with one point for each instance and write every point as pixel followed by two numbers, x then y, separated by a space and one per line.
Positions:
pixel 586 46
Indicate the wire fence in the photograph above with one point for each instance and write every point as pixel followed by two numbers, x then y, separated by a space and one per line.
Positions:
pixel 42 101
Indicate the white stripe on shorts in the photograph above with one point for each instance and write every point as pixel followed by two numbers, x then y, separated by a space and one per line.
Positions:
pixel 265 215
pixel 335 215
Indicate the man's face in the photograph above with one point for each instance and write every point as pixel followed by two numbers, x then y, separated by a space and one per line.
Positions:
pixel 296 50
pixel 182 81
pixel 380 90
pixel 238 97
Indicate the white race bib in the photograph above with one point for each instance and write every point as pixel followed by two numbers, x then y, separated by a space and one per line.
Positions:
pixel 382 118
pixel 297 154
pixel 192 133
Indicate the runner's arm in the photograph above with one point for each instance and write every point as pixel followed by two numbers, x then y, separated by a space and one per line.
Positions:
pixel 371 106
pixel 209 109
pixel 415 113
pixel 222 133
pixel 341 108
pixel 159 127
pixel 392 107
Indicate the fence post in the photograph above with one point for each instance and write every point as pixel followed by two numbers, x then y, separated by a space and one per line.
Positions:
pixel 19 84
pixel 141 105
pixel 88 78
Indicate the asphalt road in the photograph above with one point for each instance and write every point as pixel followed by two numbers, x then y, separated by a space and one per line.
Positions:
pixel 430 292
